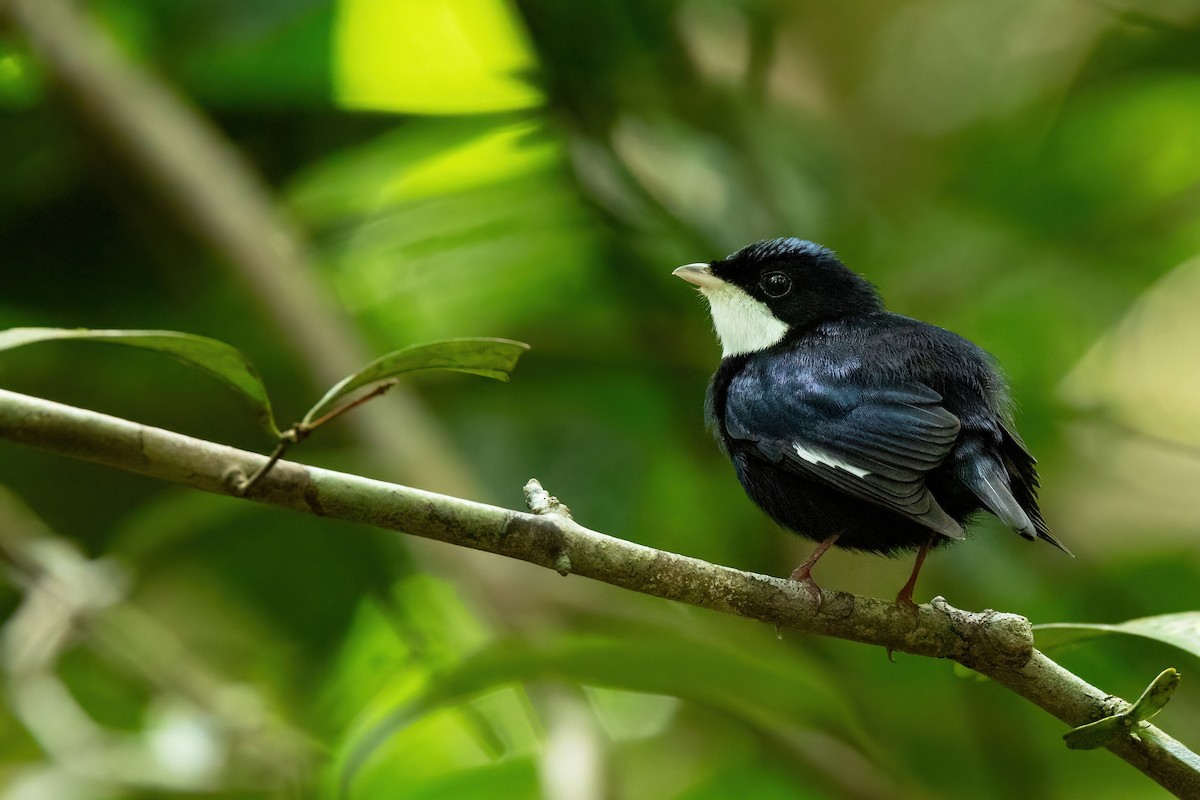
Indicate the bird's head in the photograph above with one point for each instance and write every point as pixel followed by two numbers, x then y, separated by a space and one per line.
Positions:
pixel 768 289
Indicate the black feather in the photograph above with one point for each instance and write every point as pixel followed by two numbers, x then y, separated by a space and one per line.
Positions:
pixel 862 422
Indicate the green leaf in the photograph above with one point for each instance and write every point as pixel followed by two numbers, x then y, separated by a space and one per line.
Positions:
pixel 1181 630
pixel 514 778
pixel 222 361
pixel 1099 733
pixel 1107 730
pixel 1156 696
pixel 491 358
pixel 779 699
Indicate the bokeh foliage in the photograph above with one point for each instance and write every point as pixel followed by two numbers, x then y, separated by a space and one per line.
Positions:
pixel 1024 173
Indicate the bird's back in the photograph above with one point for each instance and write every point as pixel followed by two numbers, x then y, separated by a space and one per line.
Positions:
pixel 838 368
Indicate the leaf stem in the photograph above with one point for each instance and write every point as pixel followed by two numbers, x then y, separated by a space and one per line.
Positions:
pixel 286 440
pixel 309 427
pixel 300 431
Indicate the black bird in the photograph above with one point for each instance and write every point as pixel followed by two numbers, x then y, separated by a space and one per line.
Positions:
pixel 852 425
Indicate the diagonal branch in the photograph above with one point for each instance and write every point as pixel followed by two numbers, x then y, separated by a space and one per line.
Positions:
pixel 994 644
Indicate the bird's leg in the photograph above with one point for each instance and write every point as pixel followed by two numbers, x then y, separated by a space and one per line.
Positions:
pixel 803 573
pixel 904 598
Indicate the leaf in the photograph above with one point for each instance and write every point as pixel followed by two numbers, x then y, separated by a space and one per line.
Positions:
pixel 1181 630
pixel 513 778
pixel 778 699
pixel 1107 730
pixel 432 57
pixel 1097 734
pixel 222 361
pixel 416 212
pixel 1156 696
pixel 491 358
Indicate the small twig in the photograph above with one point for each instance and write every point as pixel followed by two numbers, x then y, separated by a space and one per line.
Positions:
pixel 305 428
pixel 286 440
pixel 299 432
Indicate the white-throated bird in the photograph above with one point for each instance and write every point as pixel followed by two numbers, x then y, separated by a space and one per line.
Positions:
pixel 851 425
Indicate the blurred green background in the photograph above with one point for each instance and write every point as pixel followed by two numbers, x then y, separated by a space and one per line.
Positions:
pixel 1025 173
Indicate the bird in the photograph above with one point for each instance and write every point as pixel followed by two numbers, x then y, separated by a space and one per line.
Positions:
pixel 851 425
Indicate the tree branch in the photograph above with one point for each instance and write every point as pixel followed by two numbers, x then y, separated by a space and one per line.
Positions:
pixel 992 643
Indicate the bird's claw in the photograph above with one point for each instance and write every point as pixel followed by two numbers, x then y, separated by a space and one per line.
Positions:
pixel 801 576
pixel 905 601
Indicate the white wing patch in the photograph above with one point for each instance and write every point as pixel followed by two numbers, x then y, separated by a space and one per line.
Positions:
pixel 817 457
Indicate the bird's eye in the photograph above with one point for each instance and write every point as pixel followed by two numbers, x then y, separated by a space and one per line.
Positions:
pixel 775 284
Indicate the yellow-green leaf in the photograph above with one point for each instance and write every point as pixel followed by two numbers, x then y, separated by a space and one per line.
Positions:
pixel 432 57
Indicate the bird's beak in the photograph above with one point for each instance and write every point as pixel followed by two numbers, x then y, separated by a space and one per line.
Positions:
pixel 699 274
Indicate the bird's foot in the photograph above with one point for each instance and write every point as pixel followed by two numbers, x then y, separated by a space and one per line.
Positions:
pixel 904 599
pixel 802 575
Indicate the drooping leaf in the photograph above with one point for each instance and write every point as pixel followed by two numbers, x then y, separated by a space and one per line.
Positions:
pixel 491 358
pixel 218 359
pixel 1181 630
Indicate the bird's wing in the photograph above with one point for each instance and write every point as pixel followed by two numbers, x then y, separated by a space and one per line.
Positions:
pixel 875 443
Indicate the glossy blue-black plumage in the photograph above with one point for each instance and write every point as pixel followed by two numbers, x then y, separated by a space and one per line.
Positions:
pixel 864 423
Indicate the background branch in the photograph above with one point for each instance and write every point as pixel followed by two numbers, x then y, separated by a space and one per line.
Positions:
pixel 994 644
pixel 208 187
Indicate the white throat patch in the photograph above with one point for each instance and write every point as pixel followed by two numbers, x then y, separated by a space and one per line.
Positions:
pixel 744 325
